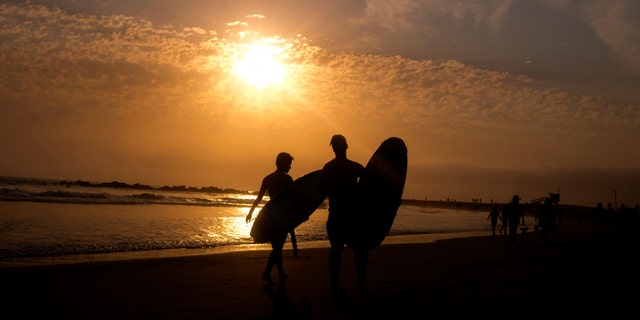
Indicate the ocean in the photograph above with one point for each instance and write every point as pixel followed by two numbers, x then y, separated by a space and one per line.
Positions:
pixel 44 221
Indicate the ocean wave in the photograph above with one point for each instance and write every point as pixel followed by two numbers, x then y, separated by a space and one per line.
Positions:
pixel 60 196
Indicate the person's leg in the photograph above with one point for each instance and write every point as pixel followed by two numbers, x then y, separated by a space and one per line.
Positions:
pixel 335 256
pixel 336 240
pixel 513 232
pixel 362 257
pixel 271 261
pixel 278 256
pixel 275 259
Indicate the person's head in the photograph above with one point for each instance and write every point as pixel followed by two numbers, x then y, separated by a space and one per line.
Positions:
pixel 339 143
pixel 516 198
pixel 283 161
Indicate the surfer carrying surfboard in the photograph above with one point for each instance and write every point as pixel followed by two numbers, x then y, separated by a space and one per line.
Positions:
pixel 273 184
pixel 339 182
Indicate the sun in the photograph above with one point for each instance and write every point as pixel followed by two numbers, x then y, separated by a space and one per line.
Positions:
pixel 261 65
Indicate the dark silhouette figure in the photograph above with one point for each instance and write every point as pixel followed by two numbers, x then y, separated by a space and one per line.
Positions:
pixel 339 181
pixel 505 222
pixel 272 184
pixel 494 216
pixel 547 219
pixel 600 212
pixel 515 212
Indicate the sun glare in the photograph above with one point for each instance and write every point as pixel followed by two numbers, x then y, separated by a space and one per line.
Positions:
pixel 261 65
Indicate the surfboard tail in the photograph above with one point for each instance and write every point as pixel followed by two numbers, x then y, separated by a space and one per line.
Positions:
pixel 263 228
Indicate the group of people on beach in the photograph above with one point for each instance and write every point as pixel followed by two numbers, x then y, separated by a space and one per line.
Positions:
pixel 510 217
pixel 513 215
pixel 338 181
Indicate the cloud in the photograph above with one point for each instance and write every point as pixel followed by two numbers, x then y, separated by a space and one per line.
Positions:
pixel 616 23
pixel 122 52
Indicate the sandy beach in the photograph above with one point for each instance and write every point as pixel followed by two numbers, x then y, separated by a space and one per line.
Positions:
pixel 586 270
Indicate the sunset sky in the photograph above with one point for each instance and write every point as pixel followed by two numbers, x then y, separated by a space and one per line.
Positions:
pixel 492 98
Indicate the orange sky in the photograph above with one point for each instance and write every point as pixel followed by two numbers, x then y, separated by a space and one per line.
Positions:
pixel 491 99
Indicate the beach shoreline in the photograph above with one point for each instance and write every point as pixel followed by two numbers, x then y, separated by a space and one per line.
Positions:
pixel 578 273
pixel 184 252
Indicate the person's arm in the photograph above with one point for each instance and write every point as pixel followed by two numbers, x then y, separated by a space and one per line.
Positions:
pixel 263 189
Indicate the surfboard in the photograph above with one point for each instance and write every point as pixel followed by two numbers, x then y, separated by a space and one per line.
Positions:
pixel 289 208
pixel 379 194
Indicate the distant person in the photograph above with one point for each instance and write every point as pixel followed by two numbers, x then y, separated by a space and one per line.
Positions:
pixel 547 219
pixel 339 181
pixel 273 184
pixel 515 212
pixel 494 216
pixel 505 222
pixel 599 211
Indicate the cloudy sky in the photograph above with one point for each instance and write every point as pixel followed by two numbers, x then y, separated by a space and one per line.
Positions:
pixel 492 98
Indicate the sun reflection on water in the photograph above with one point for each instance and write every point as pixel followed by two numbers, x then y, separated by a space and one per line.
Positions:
pixel 230 227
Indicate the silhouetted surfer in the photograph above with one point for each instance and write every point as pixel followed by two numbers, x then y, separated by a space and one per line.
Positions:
pixel 339 181
pixel 272 184
pixel 515 212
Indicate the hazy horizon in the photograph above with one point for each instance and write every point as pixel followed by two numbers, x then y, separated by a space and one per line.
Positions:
pixel 491 98
pixel 495 181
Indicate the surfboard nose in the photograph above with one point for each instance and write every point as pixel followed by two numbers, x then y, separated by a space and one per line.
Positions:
pixel 395 149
